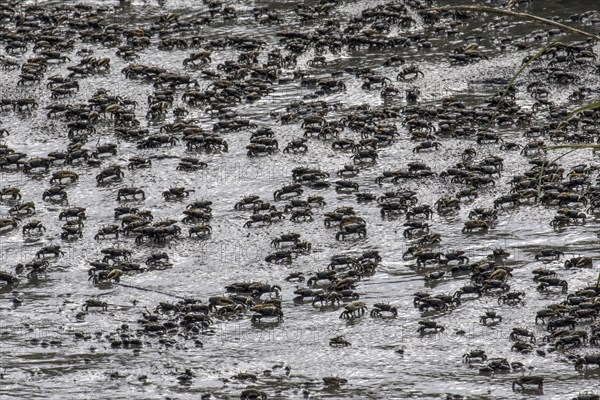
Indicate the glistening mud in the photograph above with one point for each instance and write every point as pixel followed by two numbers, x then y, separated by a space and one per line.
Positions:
pixel 297 200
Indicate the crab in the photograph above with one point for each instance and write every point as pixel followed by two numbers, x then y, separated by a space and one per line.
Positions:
pixel 492 284
pixel 343 144
pixel 561 323
pixel 253 394
pixel 72 212
pixel 560 221
pixel 426 145
pixel 329 275
pixel 114 171
pixel 346 186
pixel 429 239
pixel 351 229
pixel 193 215
pixel 296 146
pixel 470 289
pixel 415 226
pixel 496 364
pixel 55 191
pixel 572 340
pixel 257 289
pixel 418 211
pixel 367 157
pixel 490 315
pixel 266 310
pixel 130 192
pixel 479 355
pixel 247 202
pixel 295 277
pixel 513 199
pixel 202 230
pixel 447 206
pixel 590 359
pixel 303 293
pixel 36 267
pixel 71 230
pixel 26 208
pixel 157 259
pixel 139 162
pixel 548 255
pixel 410 72
pixel 332 297
pixel 521 332
pixel 106 231
pixel 115 254
pixel 177 193
pixel 546 282
pixel 473 224
pixel 53 250
pixel 302 214
pixel 9 279
pixel 380 308
pixel 432 276
pixel 511 298
pixel 354 309
pixel 425 303
pixel 428 326
pixel 528 380
pixel 456 255
pixel 95 304
pixel 291 237
pixel 334 381
pixel 201 56
pixel 58 176
pixel 521 347
pixel 255 149
pixel 280 257
pixel 292 190
pixel 189 164
pixel 339 341
pixel 579 262
pixel 258 218
pixel 342 259
pixel 348 171
pixel 33 225
pixel 13 192
pixel 424 256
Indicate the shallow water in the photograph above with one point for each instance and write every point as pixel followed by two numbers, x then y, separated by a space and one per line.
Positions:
pixel 42 358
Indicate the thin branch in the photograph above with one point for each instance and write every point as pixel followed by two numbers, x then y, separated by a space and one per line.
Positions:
pixel 492 10
pixel 573 146
pixel 523 67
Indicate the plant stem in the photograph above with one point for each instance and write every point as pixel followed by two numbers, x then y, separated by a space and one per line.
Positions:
pixel 573 146
pixel 514 78
pixel 590 106
pixel 492 10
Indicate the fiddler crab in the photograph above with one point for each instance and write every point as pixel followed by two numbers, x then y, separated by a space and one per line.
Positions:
pixel 334 381
pixel 380 308
pixel 266 310
pixel 478 355
pixel 354 309
pixel 528 380
pixel 9 279
pixel 94 303
pixel 339 341
pixel 430 327
pixel 490 315
pixel 521 332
